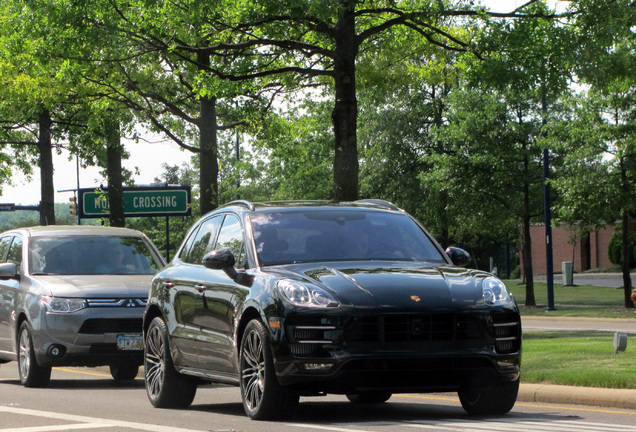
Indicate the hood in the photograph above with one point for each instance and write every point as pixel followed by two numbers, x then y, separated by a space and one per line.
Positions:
pixel 404 286
pixel 99 286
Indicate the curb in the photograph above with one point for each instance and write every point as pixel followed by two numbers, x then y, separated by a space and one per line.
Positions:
pixel 559 394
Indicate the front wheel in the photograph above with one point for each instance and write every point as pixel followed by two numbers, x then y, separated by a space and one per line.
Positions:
pixel 165 387
pixel 263 397
pixel 124 372
pixel 496 400
pixel 31 374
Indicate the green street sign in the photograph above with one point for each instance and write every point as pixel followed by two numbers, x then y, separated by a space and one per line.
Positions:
pixel 139 201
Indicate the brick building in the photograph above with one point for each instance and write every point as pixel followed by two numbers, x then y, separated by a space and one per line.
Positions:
pixel 585 254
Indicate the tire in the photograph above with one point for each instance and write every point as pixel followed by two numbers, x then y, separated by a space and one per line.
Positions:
pixel 165 387
pixel 31 374
pixel 124 372
pixel 496 400
pixel 369 397
pixel 263 397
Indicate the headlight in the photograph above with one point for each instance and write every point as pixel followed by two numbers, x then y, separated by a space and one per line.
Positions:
pixel 495 292
pixel 306 295
pixel 62 305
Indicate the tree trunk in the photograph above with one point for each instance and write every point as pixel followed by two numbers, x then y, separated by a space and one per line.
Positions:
pixel 345 112
pixel 113 169
pixel 47 191
pixel 209 165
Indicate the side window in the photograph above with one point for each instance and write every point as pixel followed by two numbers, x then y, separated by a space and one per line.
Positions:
pixel 231 237
pixel 15 252
pixel 203 240
pixel 4 247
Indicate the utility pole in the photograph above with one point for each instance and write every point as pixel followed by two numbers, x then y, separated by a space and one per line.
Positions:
pixel 547 211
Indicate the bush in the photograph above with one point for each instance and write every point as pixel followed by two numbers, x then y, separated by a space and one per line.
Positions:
pixel 615 249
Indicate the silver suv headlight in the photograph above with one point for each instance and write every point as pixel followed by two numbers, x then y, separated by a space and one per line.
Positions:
pixel 305 295
pixel 62 305
pixel 494 291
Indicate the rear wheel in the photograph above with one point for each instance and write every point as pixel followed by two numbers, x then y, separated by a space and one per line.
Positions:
pixel 165 387
pixel 263 397
pixel 31 374
pixel 495 400
pixel 124 372
pixel 369 397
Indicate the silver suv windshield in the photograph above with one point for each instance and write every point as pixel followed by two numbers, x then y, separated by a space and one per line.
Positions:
pixel 91 255
pixel 340 235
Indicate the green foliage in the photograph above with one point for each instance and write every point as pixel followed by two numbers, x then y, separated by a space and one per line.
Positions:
pixel 615 249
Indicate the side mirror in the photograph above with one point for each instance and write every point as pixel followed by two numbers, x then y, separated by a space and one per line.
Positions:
pixel 9 271
pixel 458 256
pixel 223 259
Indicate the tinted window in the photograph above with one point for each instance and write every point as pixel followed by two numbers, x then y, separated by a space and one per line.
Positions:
pixel 339 235
pixel 86 255
pixel 202 242
pixel 15 252
pixel 231 237
pixel 4 247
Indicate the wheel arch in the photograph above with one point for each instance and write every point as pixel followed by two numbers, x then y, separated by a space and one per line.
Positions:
pixel 248 315
pixel 151 313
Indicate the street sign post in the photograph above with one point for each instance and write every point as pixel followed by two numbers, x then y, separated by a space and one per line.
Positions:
pixel 7 207
pixel 138 202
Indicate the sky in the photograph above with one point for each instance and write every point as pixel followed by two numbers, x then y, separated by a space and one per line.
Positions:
pixel 148 157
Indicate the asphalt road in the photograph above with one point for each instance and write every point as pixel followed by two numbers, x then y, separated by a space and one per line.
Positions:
pixel 83 399
pixel 597 279
pixel 535 323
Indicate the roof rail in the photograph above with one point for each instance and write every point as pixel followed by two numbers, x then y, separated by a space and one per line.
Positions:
pixel 247 204
pixel 378 202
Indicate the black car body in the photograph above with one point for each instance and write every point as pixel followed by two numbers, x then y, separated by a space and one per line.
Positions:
pixel 307 298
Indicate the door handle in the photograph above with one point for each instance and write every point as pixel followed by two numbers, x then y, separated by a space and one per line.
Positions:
pixel 168 285
pixel 200 288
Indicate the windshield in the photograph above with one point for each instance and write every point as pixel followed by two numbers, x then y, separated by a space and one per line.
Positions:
pixel 340 235
pixel 92 255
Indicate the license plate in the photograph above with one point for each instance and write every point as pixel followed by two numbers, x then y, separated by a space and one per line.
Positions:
pixel 130 342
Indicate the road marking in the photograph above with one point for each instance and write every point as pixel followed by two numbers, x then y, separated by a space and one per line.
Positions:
pixel 82 372
pixel 547 405
pixel 85 422
pixel 58 427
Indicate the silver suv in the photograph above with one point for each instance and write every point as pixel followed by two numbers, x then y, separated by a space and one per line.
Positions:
pixel 74 296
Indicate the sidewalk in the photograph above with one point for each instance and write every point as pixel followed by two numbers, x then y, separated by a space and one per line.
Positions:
pixel 558 394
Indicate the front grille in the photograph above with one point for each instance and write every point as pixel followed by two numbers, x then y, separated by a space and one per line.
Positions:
pixel 309 335
pixel 416 331
pixel 117 302
pixel 507 332
pixel 101 326
pixel 312 336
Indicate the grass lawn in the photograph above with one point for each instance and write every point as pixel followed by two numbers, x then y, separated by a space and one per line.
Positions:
pixel 574 301
pixel 577 358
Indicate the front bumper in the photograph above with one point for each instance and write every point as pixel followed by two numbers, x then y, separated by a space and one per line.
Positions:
pixel 88 337
pixel 399 352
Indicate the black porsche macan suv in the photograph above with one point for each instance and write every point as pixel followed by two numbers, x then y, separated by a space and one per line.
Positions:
pixel 290 299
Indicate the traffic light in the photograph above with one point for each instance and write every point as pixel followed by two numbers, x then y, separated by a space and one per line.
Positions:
pixel 73 206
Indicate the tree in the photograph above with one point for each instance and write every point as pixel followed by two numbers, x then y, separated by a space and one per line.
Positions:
pixel 319 41
pixel 527 79
pixel 606 62
pixel 597 185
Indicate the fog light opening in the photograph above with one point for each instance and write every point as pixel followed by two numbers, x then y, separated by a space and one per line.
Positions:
pixel 56 351
pixel 317 366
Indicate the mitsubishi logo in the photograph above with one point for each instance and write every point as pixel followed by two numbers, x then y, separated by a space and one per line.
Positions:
pixel 131 303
